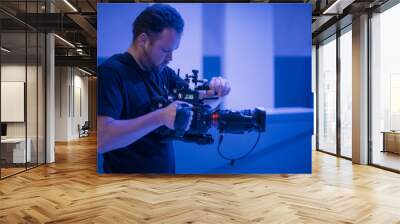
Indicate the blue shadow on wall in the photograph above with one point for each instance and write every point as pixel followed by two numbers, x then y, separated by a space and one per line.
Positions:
pixel 293 82
pixel 211 66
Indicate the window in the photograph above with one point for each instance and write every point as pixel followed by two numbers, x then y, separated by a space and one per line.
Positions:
pixel 22 78
pixel 327 95
pixel 346 92
pixel 385 88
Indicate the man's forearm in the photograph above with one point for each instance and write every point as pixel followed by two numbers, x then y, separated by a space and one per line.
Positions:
pixel 114 134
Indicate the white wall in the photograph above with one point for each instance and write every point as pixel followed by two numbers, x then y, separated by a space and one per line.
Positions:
pixel 12 101
pixel 255 77
pixel 33 127
pixel 13 73
pixel 70 83
pixel 62 113
pixel 80 83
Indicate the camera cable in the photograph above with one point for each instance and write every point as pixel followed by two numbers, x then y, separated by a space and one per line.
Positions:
pixel 233 160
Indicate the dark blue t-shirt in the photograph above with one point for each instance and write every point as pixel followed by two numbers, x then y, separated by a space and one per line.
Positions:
pixel 122 95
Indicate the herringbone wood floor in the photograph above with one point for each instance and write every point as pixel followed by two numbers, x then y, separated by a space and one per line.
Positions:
pixel 70 191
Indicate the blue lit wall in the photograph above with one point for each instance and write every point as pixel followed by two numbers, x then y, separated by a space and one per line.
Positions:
pixel 114 27
pixel 213 26
pixel 292 55
pixel 264 50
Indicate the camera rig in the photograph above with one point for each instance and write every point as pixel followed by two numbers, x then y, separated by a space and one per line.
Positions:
pixel 204 117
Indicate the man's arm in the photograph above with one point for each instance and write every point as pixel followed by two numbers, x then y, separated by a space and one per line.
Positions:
pixel 114 134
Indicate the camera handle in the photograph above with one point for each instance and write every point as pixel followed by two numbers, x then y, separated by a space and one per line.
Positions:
pixel 181 119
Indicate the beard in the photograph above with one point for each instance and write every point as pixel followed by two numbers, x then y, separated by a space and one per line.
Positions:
pixel 152 66
pixel 158 68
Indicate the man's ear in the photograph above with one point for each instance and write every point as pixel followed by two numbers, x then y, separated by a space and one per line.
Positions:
pixel 141 39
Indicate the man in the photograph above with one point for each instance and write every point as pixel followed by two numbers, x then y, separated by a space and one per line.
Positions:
pixel 127 83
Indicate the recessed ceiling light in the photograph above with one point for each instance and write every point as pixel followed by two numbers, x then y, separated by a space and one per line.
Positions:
pixel 5 50
pixel 65 41
pixel 337 7
pixel 70 5
pixel 86 72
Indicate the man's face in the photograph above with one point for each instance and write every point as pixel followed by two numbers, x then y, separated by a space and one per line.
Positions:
pixel 158 49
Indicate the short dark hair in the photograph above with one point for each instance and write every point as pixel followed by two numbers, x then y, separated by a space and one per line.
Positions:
pixel 155 18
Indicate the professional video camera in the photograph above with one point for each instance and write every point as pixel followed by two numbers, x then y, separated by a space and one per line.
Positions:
pixel 204 117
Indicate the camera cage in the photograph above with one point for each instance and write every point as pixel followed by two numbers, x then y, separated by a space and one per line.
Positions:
pixel 226 121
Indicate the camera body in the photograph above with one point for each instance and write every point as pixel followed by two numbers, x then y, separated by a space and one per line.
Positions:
pixel 204 117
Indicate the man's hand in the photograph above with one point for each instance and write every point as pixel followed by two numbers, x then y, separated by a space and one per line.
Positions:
pixel 169 114
pixel 218 86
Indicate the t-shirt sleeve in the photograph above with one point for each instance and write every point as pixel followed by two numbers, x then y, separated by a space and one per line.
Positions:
pixel 109 93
